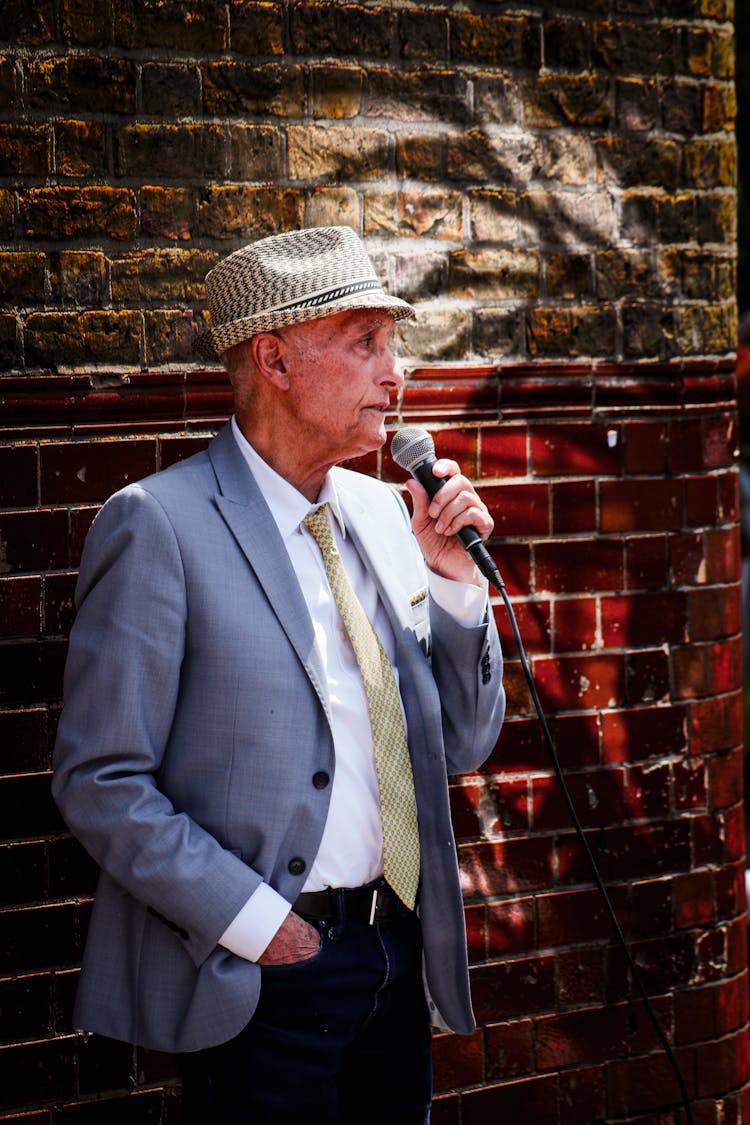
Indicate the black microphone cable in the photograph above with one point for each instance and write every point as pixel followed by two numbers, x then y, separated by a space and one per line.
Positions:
pixel 414 450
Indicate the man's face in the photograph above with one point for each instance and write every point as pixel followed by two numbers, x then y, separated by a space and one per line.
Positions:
pixel 341 374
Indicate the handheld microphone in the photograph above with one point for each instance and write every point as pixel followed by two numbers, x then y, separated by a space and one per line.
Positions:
pixel 414 450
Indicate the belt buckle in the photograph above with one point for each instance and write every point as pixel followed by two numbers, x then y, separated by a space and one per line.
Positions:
pixel 373 905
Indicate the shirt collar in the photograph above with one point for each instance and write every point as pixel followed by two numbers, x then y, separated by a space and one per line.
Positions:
pixel 287 504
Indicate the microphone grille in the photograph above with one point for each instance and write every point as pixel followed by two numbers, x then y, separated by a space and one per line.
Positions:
pixel 411 446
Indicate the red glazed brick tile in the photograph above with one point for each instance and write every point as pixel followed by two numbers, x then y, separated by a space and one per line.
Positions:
pixel 445 1110
pixel 576 739
pixel 582 975
pixel 647 504
pixel 529 1099
pixel 19 476
pixel 636 734
pixel 650 910
pixel 649 791
pixel 504 451
pixel 705 613
pixel 695 1014
pixel 575 622
pixel 457 1060
pixel 723 563
pixel 571 917
pixel 647 565
pixel 720 438
pixel 731 1004
pixel 575 683
pixel 645 447
pixel 88 471
pixel 174 449
pixel 533 620
pixel 597 796
pixel 585 1036
pixel 514 563
pixel 80 522
pixel 513 866
pixel 573 506
pixel 578 565
pixel 518 509
pixel 510 927
pixel 20 606
pixel 725 666
pixel 701 501
pixel 34 541
pixel 25 740
pixel 725 778
pixel 579 449
pixel 648 676
pixel 514 988
pixel 59 608
pixel 687 558
pixel 686 445
pixel 729 884
pixel 583 1094
pixel 693 899
pixel 519 749
pixel 643 619
pixel 729 495
pixel 690 785
pixel 510 1048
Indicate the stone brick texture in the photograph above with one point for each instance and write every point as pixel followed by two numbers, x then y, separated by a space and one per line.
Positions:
pixel 553 187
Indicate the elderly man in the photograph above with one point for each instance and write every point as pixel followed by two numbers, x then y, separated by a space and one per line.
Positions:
pixel 270 677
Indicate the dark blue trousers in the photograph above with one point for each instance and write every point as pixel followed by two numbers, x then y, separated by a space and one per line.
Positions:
pixel 341 1039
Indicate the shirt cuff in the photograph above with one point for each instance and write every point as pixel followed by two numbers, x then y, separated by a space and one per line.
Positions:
pixel 251 931
pixel 465 602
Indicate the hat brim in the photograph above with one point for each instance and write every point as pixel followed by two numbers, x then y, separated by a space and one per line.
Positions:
pixel 211 343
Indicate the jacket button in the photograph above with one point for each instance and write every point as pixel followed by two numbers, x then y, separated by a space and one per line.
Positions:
pixel 320 779
pixel 296 866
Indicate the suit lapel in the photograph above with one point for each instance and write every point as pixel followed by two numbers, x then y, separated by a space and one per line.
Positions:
pixel 249 519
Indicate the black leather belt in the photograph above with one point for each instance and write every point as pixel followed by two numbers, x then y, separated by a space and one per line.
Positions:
pixel 374 904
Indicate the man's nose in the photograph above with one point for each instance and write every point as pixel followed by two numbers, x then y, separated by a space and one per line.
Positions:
pixel 391 370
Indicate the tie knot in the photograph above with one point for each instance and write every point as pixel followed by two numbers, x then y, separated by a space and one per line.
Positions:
pixel 318 525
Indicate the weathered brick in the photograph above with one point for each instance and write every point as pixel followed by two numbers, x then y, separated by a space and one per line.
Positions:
pixel 67 212
pixel 588 330
pixel 22 278
pixel 568 276
pixel 413 214
pixel 493 216
pixel 420 155
pixel 493 160
pixel 568 158
pixel 198 25
pixel 709 164
pixel 83 23
pixel 417 96
pixel 624 48
pixel 497 39
pixel 160 276
pixel 80 148
pixel 166 150
pixel 335 206
pixel 716 218
pixel 497 332
pixel 349 29
pixel 167 212
pixel 435 334
pixel 170 336
pixel 106 337
pixel 81 84
pixel 625 273
pixel 644 329
pixel 564 217
pixel 422 34
pixel 170 90
pixel 240 89
pixel 637 104
pixel 420 276
pixel 78 278
pixel 254 153
pixel 8 83
pixel 8 340
pixel 497 274
pixel 566 44
pixel 317 154
pixel 337 91
pixel 31 25
pixel 497 99
pixel 248 213
pixel 24 149
pixel 719 108
pixel 553 100
pixel 256 28
pixel 681 107
pixel 653 162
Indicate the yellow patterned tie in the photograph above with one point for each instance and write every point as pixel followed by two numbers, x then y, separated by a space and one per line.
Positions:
pixel 398 807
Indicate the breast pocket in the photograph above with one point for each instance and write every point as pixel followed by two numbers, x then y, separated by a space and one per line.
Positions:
pixel 420 617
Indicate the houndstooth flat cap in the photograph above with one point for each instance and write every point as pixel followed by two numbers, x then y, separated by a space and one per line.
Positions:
pixel 289 278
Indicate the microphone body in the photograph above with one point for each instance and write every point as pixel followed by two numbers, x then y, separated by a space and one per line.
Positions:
pixel 414 450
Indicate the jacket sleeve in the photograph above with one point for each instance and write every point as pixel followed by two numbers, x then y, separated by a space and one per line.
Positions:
pixel 122 682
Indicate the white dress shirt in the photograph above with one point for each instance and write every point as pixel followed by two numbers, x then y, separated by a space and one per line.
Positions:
pixel 351 849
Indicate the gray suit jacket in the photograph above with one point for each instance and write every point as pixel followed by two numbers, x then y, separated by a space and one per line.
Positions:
pixel 196 715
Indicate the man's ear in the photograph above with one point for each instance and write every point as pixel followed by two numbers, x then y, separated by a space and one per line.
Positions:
pixel 267 350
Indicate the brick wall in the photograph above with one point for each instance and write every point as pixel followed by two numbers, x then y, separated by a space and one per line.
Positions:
pixel 555 192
